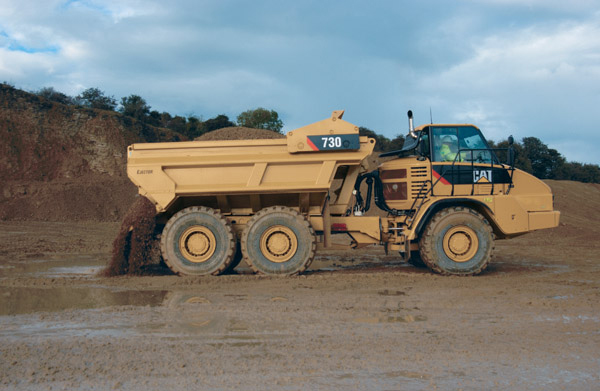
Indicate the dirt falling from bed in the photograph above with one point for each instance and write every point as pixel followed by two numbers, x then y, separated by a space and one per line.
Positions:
pixel 132 248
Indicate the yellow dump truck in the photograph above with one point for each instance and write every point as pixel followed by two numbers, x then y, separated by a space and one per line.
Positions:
pixel 445 198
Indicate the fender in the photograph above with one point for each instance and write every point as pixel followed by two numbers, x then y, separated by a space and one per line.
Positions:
pixel 436 206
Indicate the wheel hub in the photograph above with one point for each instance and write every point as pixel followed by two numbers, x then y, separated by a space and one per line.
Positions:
pixel 279 243
pixel 460 243
pixel 197 244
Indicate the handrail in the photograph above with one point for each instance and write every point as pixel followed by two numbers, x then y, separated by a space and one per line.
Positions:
pixel 493 158
pixel 412 207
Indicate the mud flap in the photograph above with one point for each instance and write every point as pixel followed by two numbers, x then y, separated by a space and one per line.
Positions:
pixel 406 249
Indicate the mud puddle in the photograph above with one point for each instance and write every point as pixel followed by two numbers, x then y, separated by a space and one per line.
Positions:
pixel 18 300
pixel 65 265
pixel 98 313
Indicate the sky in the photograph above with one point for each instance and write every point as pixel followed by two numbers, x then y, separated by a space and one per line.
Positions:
pixel 512 67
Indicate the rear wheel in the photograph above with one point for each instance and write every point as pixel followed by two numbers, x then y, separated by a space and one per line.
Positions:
pixel 278 240
pixel 198 241
pixel 457 241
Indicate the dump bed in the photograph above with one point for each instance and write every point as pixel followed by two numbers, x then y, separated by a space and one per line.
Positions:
pixel 246 175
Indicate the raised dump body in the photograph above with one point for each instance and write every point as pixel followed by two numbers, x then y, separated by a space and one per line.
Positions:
pixel 243 176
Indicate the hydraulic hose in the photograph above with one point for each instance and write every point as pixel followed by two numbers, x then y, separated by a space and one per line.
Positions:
pixel 373 181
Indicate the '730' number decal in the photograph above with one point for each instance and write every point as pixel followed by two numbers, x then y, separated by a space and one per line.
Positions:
pixel 332 142
pixel 336 142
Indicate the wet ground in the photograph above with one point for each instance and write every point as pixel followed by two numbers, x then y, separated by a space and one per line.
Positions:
pixel 355 320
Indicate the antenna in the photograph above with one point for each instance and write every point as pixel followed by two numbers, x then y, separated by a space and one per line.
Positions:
pixel 430 115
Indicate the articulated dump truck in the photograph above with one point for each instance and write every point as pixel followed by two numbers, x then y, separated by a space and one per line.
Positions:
pixel 445 195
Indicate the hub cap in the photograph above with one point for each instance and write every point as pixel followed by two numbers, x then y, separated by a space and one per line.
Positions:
pixel 197 244
pixel 460 243
pixel 278 243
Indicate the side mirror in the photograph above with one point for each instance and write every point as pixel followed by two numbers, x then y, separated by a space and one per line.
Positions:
pixel 510 153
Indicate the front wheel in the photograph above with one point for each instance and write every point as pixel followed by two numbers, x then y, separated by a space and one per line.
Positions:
pixel 457 241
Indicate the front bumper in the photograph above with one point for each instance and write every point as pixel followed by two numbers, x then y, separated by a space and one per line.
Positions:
pixel 542 220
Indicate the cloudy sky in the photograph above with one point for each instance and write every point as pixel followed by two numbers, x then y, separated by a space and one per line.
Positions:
pixel 521 67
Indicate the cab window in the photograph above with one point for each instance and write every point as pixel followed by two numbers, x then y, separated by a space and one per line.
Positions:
pixel 460 144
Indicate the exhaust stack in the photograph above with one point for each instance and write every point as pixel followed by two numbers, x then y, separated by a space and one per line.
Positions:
pixel 411 128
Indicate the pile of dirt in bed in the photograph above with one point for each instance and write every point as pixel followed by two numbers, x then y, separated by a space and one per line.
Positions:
pixel 239 133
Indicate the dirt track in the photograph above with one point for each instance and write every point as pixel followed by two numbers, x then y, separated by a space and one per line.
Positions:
pixel 357 320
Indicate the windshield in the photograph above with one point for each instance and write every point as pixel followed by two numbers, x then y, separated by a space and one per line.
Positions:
pixel 460 144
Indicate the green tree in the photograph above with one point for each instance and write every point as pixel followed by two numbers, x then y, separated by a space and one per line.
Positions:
pixel 382 143
pixel 178 124
pixel 194 127
pixel 545 162
pixel 396 143
pixel 135 106
pixel 94 98
pixel 260 119
pixel 220 121
pixel 164 119
pixel 51 94
pixel 522 162
pixel 575 171
pixel 534 157
pixel 154 118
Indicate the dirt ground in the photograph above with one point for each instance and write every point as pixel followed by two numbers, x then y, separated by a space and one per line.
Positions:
pixel 356 320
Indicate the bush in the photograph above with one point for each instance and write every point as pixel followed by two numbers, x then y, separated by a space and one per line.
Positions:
pixel 260 119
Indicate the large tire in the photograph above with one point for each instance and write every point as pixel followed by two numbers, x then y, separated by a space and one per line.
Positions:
pixel 198 241
pixel 278 241
pixel 457 241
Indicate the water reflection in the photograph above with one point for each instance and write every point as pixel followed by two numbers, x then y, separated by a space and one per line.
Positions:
pixel 50 266
pixel 18 300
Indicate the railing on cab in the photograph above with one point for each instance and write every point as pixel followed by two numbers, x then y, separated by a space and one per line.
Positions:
pixel 493 158
pixel 425 190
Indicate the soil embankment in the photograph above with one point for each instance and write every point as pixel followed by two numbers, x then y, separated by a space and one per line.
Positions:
pixel 65 163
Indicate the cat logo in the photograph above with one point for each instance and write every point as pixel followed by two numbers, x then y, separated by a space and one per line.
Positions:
pixel 482 176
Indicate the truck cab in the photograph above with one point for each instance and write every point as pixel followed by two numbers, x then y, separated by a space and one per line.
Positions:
pixel 445 171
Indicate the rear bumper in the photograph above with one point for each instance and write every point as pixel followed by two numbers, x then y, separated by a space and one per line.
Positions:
pixel 541 220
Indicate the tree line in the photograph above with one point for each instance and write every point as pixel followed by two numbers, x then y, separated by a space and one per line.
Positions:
pixel 530 154
pixel 533 156
pixel 136 107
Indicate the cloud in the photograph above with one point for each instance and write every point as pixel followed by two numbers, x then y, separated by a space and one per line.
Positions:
pixel 529 81
pixel 556 5
pixel 569 51
pixel 527 68
pixel 116 10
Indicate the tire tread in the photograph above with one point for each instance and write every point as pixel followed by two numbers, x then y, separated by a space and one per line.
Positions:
pixel 282 209
pixel 426 244
pixel 201 209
